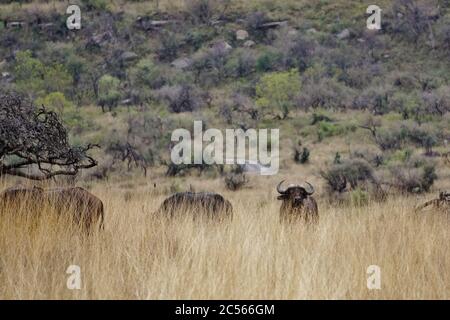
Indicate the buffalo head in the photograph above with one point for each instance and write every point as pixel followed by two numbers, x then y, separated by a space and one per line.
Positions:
pixel 296 193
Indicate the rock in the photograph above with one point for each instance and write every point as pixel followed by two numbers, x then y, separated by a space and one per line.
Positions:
pixel 221 46
pixel 126 102
pixel 249 43
pixel 241 35
pixel 216 22
pixel 273 25
pixel 15 24
pixel 292 33
pixel 181 63
pixel 344 34
pixel 48 25
pixel 128 56
pixel 99 39
pixel 6 74
pixel 147 24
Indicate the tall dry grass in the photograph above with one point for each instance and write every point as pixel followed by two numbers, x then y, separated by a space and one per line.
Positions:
pixel 139 256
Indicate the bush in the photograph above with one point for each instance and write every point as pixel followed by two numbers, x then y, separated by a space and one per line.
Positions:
pixel 359 197
pixel 236 179
pixel 353 172
pixel 268 61
pixel 255 20
pixel 423 137
pixel 95 4
pixel 170 43
pixel 437 101
pixel 278 90
pixel 296 50
pixel 443 36
pixel 407 104
pixel 55 101
pixel 324 93
pixel 302 156
pixel 375 99
pixel 108 92
pixel 202 11
pixel 35 79
pixel 181 98
pixel 415 178
pixel 327 129
pixel 241 64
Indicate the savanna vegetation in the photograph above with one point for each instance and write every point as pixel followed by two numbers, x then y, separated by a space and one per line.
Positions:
pixel 364 115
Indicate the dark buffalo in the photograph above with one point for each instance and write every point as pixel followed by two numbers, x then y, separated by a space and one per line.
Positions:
pixel 297 203
pixel 86 209
pixel 202 204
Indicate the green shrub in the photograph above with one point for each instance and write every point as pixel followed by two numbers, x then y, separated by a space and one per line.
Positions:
pixel 353 172
pixel 278 90
pixel 302 156
pixel 108 91
pixel 359 197
pixel 55 101
pixel 36 79
pixel 95 4
pixel 328 129
pixel 267 61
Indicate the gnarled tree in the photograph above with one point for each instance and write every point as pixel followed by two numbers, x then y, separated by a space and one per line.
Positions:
pixel 34 143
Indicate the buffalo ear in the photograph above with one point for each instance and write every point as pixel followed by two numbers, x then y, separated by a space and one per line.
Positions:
pixel 282 197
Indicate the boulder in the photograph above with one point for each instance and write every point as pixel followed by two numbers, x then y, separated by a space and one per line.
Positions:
pixel 292 33
pixel 344 34
pixel 249 43
pixel 15 24
pixel 241 35
pixel 128 56
pixel 222 46
pixel 100 39
pixel 147 23
pixel 273 25
pixel 181 63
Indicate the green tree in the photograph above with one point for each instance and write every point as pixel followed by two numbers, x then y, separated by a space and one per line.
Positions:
pixel 55 101
pixel 36 80
pixel 29 73
pixel 278 90
pixel 108 92
pixel 56 78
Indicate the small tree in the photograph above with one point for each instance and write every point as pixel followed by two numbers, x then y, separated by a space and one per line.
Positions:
pixel 108 92
pixel 278 90
pixel 34 138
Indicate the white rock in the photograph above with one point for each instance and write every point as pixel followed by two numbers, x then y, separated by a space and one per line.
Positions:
pixel 241 35
pixel 344 34
pixel 249 43
pixel 181 63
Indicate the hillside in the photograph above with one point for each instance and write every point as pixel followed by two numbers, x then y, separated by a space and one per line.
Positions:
pixel 137 70
pixel 363 116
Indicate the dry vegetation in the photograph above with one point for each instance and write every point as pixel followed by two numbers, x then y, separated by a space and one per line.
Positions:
pixel 142 257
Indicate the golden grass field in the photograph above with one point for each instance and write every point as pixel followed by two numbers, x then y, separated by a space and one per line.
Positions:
pixel 139 256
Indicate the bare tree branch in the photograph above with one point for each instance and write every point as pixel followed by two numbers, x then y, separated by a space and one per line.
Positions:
pixel 35 138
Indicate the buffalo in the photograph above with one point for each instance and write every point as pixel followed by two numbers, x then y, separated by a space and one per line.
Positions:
pixel 87 210
pixel 297 203
pixel 440 204
pixel 202 204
